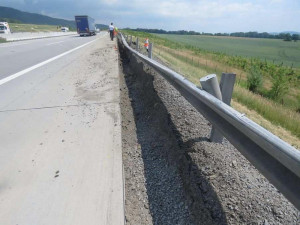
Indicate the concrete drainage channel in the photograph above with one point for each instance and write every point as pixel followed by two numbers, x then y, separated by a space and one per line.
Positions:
pixel 173 175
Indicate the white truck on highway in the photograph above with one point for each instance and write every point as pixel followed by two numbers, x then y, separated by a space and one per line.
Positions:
pixel 4 28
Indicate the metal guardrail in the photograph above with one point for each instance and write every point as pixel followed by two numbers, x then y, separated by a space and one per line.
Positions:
pixel 278 161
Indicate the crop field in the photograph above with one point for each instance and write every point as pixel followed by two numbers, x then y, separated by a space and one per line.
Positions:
pixel 17 27
pixel 277 51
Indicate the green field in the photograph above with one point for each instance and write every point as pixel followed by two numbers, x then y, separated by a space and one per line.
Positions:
pixel 17 27
pixel 278 51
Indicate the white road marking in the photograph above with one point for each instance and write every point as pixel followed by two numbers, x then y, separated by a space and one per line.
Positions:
pixel 16 75
pixel 55 43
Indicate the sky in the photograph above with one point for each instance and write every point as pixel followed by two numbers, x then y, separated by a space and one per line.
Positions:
pixel 198 15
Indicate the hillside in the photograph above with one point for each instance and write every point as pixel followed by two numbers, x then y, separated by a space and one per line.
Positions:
pixel 102 26
pixel 16 16
pixel 33 18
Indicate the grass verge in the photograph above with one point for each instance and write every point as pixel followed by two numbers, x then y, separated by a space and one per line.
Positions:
pixel 273 112
pixel 282 133
pixel 268 109
pixel 280 120
pixel 2 40
pixel 17 27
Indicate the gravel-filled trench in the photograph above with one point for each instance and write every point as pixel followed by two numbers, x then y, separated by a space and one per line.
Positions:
pixel 173 174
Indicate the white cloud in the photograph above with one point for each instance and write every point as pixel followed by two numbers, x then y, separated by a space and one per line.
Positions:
pixel 199 15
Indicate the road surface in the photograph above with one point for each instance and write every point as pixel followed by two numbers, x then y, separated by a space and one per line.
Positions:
pixel 16 56
pixel 60 134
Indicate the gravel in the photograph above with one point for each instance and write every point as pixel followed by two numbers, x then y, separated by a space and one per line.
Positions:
pixel 173 174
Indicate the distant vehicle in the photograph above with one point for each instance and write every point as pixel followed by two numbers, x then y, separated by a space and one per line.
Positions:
pixel 64 29
pixel 4 28
pixel 85 25
pixel 98 30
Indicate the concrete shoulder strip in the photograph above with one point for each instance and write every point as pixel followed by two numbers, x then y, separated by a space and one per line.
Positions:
pixel 16 75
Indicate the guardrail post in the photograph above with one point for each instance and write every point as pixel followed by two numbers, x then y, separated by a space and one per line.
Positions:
pixel 210 84
pixel 130 40
pixel 137 44
pixel 226 86
pixel 150 50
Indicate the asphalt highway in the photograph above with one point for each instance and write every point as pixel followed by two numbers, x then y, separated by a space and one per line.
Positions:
pixel 60 132
pixel 16 56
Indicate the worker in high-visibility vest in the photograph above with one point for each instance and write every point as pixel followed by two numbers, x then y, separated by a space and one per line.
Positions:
pixel 147 44
pixel 116 31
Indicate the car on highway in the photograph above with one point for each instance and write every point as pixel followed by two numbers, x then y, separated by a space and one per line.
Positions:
pixel 64 29
pixel 4 28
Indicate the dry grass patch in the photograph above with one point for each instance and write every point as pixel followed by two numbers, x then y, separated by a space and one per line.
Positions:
pixel 274 112
pixel 279 131
pixel 18 27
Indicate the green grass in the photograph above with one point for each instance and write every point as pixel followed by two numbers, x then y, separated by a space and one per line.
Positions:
pixel 291 100
pixel 17 27
pixel 2 40
pixel 274 112
pixel 278 51
pixel 239 62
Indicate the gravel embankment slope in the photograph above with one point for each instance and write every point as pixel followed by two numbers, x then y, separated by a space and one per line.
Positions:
pixel 174 175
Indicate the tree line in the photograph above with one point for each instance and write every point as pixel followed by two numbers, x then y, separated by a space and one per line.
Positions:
pixel 252 34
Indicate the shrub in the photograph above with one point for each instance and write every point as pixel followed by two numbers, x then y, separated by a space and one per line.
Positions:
pixel 254 79
pixel 280 83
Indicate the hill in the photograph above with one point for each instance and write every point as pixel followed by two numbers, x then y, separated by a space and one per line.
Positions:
pixel 32 18
pixel 11 15
pixel 102 26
